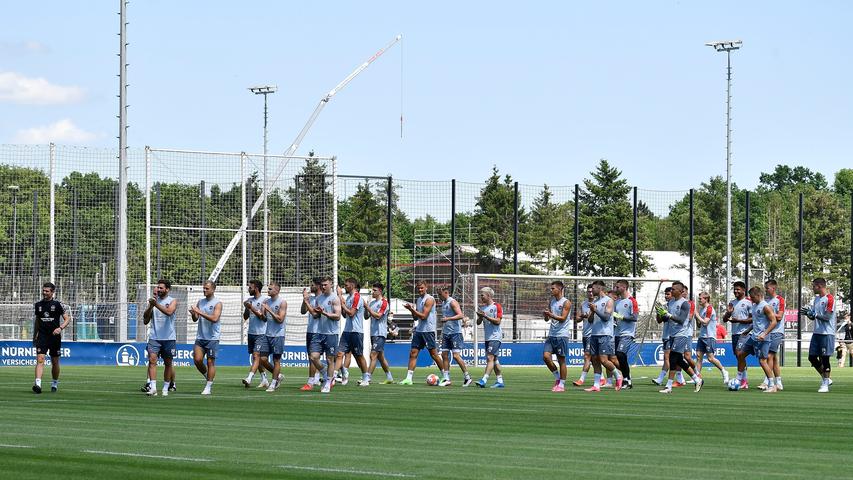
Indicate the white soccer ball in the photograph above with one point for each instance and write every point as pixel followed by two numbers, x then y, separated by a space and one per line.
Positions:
pixel 432 379
pixel 734 385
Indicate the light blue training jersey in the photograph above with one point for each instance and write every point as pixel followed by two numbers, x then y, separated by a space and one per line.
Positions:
pixel 313 321
pixel 602 326
pixel 453 326
pixel 824 310
pixel 162 326
pixel 743 309
pixel 275 329
pixel 680 312
pixel 207 330
pixel 587 323
pixel 777 303
pixel 492 331
pixel 630 311
pixel 379 326
pixel 427 324
pixel 558 329
pixel 710 330
pixel 760 320
pixel 257 325
pixel 327 326
pixel 355 323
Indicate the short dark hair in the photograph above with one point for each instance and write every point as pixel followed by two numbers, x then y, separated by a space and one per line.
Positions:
pixel 317 280
pixel 558 284
pixel 622 282
pixel 49 285
pixel 588 285
pixel 165 282
pixel 325 278
pixel 273 282
pixel 209 282
pixel 352 281
pixel 739 284
pixel 256 283
pixel 667 290
pixel 444 289
pixel 819 281
pixel 771 282
pixel 756 290
pixel 421 282
pixel 599 283
pixel 677 282
pixel 379 286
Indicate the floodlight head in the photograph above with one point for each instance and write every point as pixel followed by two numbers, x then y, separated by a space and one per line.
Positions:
pixel 725 45
pixel 263 89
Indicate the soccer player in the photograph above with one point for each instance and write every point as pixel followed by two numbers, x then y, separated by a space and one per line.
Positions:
pixel 822 343
pixel 557 342
pixel 585 315
pixel 352 339
pixel 451 337
pixel 627 312
pixel 777 336
pixel 275 311
pixel 327 306
pixel 688 354
pixel 160 318
pixel 601 341
pixel 665 337
pixel 51 319
pixel 707 343
pixel 490 315
pixel 252 311
pixel 679 314
pixel 739 313
pixel 424 337
pixel 758 343
pixel 207 312
pixel 310 332
pixel 378 311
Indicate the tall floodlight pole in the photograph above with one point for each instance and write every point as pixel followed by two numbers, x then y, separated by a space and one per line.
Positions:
pixel 265 90
pixel 728 46
pixel 13 189
pixel 121 334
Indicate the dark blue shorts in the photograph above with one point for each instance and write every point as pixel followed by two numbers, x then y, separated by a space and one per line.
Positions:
pixel 601 345
pixel 423 340
pixel 163 348
pixel 324 343
pixel 209 347
pixel 585 341
pixel 452 342
pixel 377 343
pixel 624 344
pixel 706 345
pixel 309 337
pixel 557 345
pixel 493 347
pixel 738 341
pixel 666 343
pixel 680 344
pixel 351 342
pixel 776 341
pixel 272 345
pixel 759 348
pixel 252 339
pixel 821 345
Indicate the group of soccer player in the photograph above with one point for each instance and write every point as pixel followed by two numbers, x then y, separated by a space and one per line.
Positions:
pixel 609 318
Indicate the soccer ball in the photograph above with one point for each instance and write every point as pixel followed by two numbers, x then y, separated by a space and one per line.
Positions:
pixel 432 379
pixel 734 385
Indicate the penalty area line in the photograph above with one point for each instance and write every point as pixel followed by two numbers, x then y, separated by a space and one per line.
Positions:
pixel 143 455
pixel 6 445
pixel 345 470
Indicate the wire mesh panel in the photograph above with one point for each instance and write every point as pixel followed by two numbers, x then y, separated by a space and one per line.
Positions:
pixel 546 236
pixel 199 202
pixel 363 229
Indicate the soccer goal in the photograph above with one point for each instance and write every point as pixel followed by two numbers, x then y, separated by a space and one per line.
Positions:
pixel 524 297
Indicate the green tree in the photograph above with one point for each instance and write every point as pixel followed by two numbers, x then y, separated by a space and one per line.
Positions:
pixel 546 227
pixel 494 219
pixel 843 184
pixel 785 176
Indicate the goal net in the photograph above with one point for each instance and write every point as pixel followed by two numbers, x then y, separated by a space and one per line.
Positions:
pixel 524 297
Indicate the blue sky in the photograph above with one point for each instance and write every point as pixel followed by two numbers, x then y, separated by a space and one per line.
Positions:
pixel 541 89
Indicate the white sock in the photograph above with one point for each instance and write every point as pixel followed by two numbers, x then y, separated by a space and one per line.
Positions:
pixel 669 383
pixel 597 380
pixel 583 376
pixel 317 377
pixel 562 383
pixel 771 382
pixel 766 381
pixel 744 374
pixel 500 379
pixel 739 376
pixel 409 374
pixel 389 376
pixel 38 382
pixel 467 375
pixel 345 371
pixel 264 376
pixel 365 376
pixel 152 385
pixel 485 378
pixel 680 377
pixel 446 374
pixel 696 377
pixel 312 380
pixel 250 376
pixel 210 384
pixel 54 382
pixel 662 375
pixel 556 374
pixel 778 380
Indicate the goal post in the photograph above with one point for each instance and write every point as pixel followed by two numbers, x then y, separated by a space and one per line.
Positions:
pixel 524 297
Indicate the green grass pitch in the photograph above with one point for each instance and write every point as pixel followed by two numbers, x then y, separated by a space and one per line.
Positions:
pixel 100 426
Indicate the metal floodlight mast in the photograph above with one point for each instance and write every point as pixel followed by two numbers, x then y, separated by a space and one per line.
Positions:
pixel 728 46
pixel 265 90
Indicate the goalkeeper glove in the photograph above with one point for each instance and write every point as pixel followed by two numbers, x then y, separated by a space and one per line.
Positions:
pixel 662 311
pixel 618 316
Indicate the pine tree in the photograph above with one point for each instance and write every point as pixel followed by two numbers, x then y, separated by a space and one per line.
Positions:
pixel 494 218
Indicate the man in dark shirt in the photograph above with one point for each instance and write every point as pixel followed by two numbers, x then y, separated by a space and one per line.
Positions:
pixel 50 320
pixel 845 338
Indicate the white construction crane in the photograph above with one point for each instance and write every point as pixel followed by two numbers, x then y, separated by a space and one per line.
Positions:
pixel 290 151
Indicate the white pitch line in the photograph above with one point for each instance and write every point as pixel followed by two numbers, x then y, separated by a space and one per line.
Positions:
pixel 4 445
pixel 162 457
pixel 344 470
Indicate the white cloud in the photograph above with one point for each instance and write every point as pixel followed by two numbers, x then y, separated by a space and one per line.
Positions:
pixel 61 131
pixel 24 47
pixel 17 88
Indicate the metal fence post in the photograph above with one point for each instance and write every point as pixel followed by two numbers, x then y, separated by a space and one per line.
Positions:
pixel 634 243
pixel 692 246
pixel 800 284
pixel 389 235
pixel 453 236
pixel 514 263
pixel 52 179
pixel 746 246
pixel 201 195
